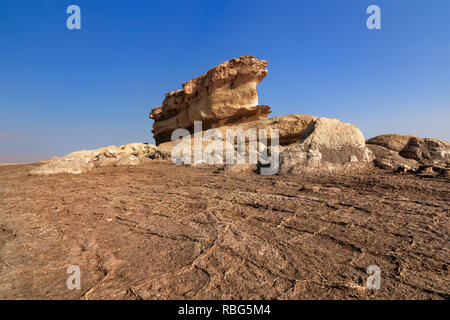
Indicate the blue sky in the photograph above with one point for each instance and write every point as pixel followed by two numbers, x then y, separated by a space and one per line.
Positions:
pixel 63 90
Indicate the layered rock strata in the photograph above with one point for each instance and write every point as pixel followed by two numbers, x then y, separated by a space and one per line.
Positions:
pixel 225 95
pixel 411 153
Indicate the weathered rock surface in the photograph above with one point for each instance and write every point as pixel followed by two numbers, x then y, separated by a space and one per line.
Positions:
pixel 225 99
pixel 424 150
pixel 306 143
pixel 391 160
pixel 74 163
pixel 160 231
pixel 84 160
pixel 290 128
pixel 226 94
pixel 411 153
pixel 326 144
pixel 394 142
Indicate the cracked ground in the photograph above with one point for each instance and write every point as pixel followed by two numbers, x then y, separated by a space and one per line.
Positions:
pixel 160 231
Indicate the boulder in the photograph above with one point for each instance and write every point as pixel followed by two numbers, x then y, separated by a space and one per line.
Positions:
pixel 84 160
pixel 226 94
pixel 73 165
pixel 394 142
pixel 290 127
pixel 427 150
pixel 391 160
pixel 326 144
pixel 410 153
pixel 306 143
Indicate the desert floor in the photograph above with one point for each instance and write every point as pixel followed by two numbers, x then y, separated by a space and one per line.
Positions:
pixel 160 231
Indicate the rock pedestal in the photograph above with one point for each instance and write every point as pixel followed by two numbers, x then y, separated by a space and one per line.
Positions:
pixel 224 95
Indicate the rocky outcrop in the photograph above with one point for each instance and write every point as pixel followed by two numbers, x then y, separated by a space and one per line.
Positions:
pixel 326 144
pixel 427 150
pixel 290 129
pixel 411 153
pixel 394 142
pixel 391 160
pixel 225 99
pixel 84 160
pixel 224 95
pixel 306 143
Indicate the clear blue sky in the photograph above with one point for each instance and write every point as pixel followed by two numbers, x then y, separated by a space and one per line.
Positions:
pixel 63 90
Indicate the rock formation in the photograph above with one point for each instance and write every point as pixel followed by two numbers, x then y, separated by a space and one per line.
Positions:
pixel 225 98
pixel 326 144
pixel 411 153
pixel 226 94
pixel 426 150
pixel 290 127
pixel 84 160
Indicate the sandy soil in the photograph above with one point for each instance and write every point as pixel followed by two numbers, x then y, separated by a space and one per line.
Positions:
pixel 160 231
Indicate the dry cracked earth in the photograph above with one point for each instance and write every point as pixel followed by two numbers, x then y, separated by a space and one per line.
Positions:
pixel 160 231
